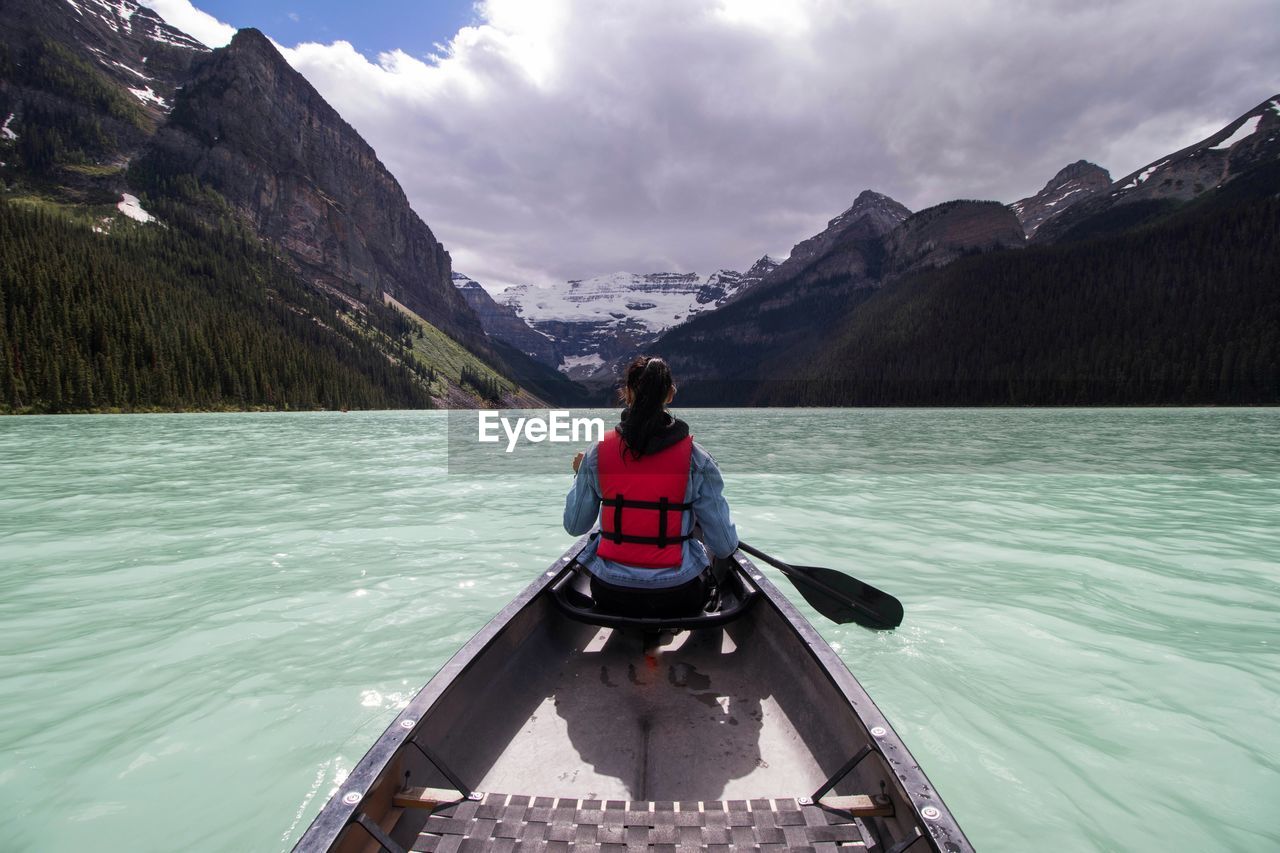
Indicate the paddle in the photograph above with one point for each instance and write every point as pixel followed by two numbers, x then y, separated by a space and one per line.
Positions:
pixel 837 596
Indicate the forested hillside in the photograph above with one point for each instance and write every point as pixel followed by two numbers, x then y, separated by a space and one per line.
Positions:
pixel 186 228
pixel 186 316
pixel 1185 310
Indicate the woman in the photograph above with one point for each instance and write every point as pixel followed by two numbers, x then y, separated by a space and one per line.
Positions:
pixel 649 484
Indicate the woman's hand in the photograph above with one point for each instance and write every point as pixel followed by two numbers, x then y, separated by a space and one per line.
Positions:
pixel 577 460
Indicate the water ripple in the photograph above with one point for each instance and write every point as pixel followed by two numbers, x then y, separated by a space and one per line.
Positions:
pixel 240 603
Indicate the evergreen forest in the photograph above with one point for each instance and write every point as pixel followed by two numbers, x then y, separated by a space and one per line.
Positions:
pixel 1181 310
pixel 179 316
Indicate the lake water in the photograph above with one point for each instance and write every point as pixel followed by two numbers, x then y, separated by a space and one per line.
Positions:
pixel 206 619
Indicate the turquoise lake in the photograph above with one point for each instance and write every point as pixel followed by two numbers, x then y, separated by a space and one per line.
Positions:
pixel 205 619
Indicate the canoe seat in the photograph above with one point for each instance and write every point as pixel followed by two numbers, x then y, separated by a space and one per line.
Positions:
pixel 733 595
pixel 503 822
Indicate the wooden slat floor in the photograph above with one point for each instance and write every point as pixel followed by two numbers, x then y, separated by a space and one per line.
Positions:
pixel 522 823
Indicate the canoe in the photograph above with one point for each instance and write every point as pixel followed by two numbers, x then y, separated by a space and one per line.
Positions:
pixel 558 728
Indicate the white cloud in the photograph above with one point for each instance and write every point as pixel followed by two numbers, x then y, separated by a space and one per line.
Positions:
pixel 568 138
pixel 192 21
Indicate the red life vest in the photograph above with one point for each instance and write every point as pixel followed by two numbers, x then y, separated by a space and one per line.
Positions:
pixel 642 503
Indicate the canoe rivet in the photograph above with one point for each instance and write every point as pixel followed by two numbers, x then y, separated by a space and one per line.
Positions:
pixel 878 731
pixel 408 724
pixel 930 813
pixel 351 797
pixel 804 801
pixel 475 795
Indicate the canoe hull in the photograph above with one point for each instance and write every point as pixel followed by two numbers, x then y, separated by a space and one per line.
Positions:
pixel 540 705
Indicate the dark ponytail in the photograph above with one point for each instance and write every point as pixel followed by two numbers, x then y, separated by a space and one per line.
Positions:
pixel 649 381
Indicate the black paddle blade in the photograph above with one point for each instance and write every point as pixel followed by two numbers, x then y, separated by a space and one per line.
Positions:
pixel 844 599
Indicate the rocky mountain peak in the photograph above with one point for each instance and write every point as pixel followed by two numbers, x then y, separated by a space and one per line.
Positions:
pixel 1073 184
pixel 1080 169
pixel 760 269
pixel 1251 140
pixel 940 234
pixel 880 208
pixel 871 216
pixel 251 38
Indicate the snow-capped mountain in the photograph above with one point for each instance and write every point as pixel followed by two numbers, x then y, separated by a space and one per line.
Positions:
pixel 650 301
pixel 596 320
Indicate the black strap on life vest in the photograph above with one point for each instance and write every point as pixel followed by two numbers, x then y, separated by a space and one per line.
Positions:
pixel 663 506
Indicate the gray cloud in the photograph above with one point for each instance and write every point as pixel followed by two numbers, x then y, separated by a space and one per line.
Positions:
pixel 570 138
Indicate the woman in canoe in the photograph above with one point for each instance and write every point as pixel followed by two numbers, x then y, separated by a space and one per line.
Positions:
pixel 649 484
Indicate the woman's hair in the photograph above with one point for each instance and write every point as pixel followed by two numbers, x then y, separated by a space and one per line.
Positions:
pixel 649 381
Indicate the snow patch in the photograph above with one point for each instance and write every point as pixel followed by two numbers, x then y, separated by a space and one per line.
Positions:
pixel 133 71
pixel 1149 171
pixel 1275 105
pixel 1246 129
pixel 1143 175
pixel 132 208
pixel 164 36
pixel 578 362
pixel 624 298
pixel 147 96
pixel 5 132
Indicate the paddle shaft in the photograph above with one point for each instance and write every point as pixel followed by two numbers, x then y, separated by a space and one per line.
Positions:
pixel 796 572
pixel 792 571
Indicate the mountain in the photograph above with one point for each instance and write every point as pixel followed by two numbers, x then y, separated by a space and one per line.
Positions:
pixel 1163 184
pixel 938 235
pixel 1181 310
pixel 596 321
pixel 82 87
pixel 501 322
pixel 116 122
pixel 1073 184
pixel 1160 290
pixel 792 304
pixel 255 131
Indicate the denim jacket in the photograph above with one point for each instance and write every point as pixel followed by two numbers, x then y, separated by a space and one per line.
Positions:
pixel 705 491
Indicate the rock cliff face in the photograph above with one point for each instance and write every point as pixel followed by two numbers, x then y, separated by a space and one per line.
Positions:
pixel 252 128
pixel 1251 139
pixel 501 321
pixel 938 235
pixel 1078 182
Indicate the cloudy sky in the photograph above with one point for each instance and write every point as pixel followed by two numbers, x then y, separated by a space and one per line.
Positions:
pixel 544 140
